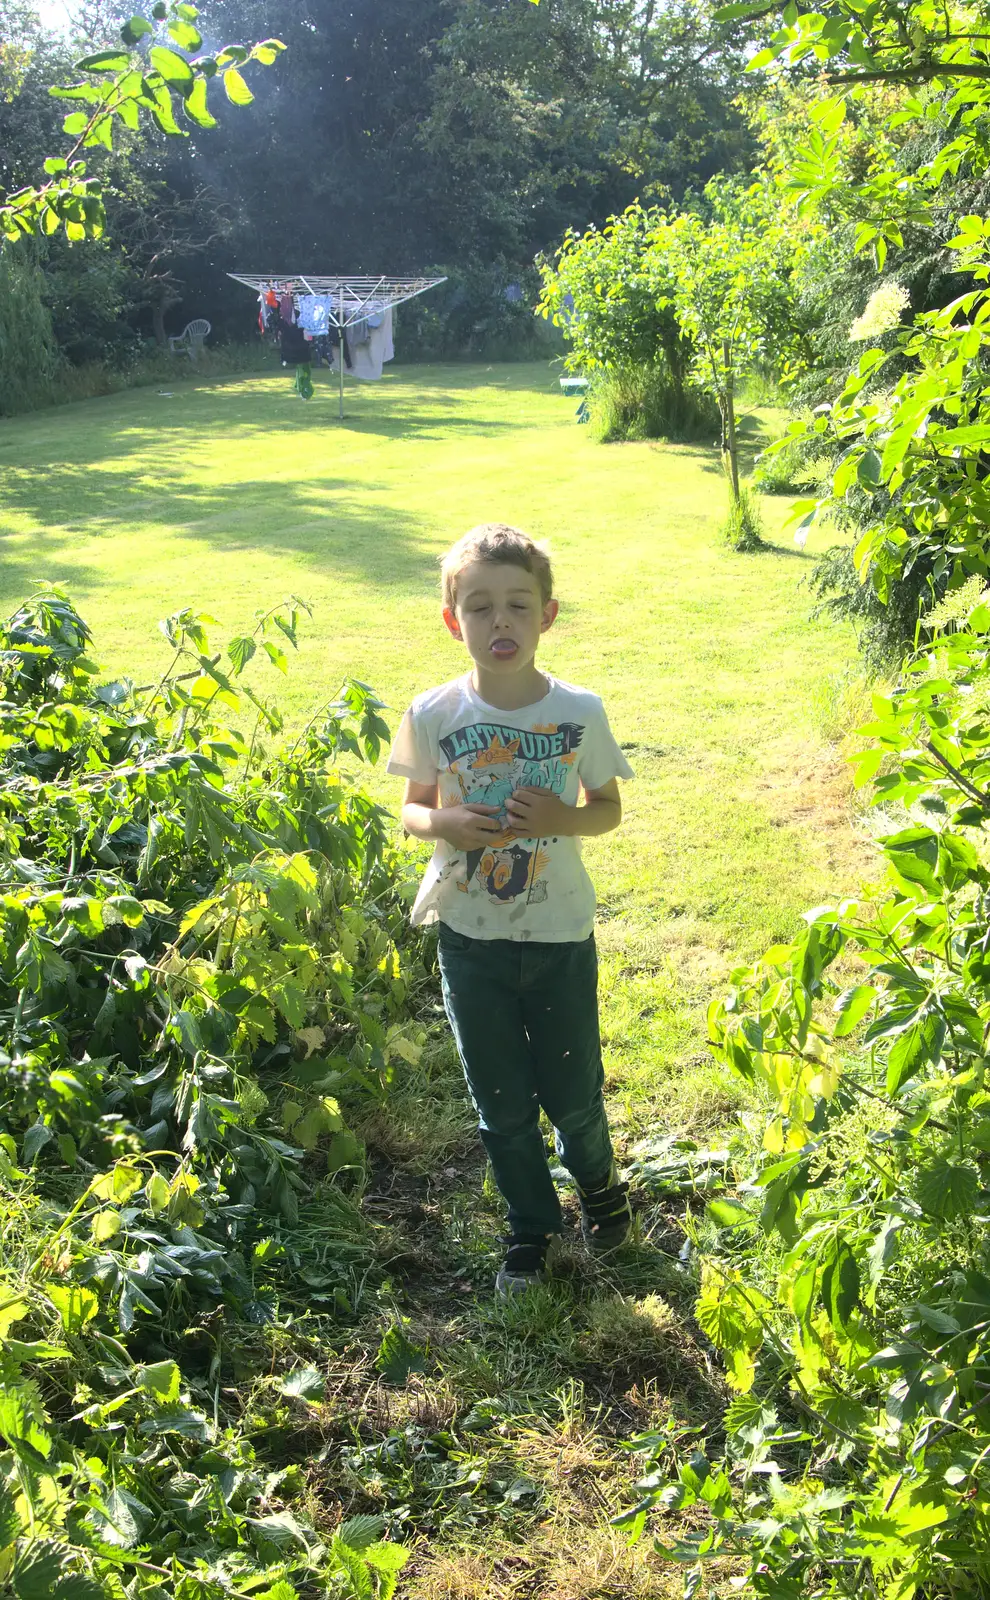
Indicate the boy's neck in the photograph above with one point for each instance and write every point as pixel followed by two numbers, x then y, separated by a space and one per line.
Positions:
pixel 512 692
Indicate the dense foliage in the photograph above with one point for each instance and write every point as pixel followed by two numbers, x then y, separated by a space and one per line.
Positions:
pixel 401 136
pixel 847 1286
pixel 202 945
pixel 687 303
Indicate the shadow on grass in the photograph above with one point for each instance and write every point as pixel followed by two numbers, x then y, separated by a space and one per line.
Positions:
pixel 752 436
pixel 325 522
pixel 129 463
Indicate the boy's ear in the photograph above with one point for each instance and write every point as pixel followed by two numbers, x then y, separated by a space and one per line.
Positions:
pixel 550 611
pixel 453 626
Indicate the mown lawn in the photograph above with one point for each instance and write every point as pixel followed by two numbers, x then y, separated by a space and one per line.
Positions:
pixel 227 496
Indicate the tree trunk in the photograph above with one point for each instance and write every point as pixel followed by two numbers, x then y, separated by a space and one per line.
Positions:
pixel 158 319
pixel 732 448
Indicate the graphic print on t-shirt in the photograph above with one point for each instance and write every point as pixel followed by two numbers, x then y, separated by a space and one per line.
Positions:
pixel 489 761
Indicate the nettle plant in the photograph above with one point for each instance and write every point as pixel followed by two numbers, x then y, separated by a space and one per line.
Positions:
pixel 202 943
pixel 848 1285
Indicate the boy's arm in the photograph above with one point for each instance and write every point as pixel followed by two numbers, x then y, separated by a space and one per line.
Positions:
pixel 539 814
pixel 466 827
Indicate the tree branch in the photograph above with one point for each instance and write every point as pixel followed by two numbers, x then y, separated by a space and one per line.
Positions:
pixel 982 800
pixel 923 73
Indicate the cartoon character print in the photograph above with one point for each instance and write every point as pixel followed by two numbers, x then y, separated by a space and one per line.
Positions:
pixel 489 763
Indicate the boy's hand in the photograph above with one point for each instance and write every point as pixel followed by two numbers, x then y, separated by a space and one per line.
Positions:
pixel 469 827
pixel 539 814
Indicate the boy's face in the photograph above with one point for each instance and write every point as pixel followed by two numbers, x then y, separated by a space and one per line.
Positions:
pixel 500 616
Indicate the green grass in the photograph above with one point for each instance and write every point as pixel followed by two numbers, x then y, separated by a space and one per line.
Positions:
pixel 228 495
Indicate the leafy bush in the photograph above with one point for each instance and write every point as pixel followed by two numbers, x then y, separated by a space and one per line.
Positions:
pixel 787 466
pixel 642 403
pixel 610 295
pixel 475 314
pixel 29 358
pixel 202 946
pixel 848 1286
pixel 94 379
pixel 882 625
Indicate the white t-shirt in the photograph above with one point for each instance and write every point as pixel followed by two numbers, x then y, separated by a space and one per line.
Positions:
pixel 514 888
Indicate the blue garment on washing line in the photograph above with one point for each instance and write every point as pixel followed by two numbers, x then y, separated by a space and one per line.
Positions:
pixel 314 314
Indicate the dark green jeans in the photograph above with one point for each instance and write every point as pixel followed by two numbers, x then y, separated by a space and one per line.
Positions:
pixel 525 1019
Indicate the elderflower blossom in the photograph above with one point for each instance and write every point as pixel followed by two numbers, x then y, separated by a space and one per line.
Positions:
pixel 882 313
pixel 959 604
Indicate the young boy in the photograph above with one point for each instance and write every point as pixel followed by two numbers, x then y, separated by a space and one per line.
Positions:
pixel 494 763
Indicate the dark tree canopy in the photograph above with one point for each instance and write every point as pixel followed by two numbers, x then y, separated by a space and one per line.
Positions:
pixel 399 135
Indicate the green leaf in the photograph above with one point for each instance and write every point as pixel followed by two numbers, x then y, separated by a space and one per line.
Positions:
pixel 10 1522
pixel 183 1420
pixel 241 649
pixel 126 1182
pixel 105 61
pixel 35 1139
pixel 161 1379
pixel 237 90
pixel 75 1304
pixel 398 1357
pixel 197 107
pixel 304 1384
pixel 130 910
pixel 76 1587
pixel 840 1287
pixel 184 35
pixel 947 1189
pixel 852 1006
pixel 358 1532
pixel 157 1192
pixel 750 1417
pixel 105 1226
pixel 884 1248
pixel 37 1570
pixel 177 73
pixel 21 1418
pixel 121 1520
pixel 914 854
pixel 913 1049
pixel 728 1213
pixel 135 30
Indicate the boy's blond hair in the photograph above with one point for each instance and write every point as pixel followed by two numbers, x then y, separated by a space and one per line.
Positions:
pixel 496 541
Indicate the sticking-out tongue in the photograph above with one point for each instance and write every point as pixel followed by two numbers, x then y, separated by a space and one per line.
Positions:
pixel 503 647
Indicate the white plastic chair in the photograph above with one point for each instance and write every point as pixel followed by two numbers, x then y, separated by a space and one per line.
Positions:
pixel 190 341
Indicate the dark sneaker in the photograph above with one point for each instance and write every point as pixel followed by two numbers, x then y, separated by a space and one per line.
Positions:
pixel 606 1216
pixel 525 1264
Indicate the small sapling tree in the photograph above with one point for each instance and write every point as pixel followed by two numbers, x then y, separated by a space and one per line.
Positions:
pixel 731 295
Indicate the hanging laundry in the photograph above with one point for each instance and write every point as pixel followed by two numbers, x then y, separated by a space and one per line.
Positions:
pixel 286 307
pixel 368 357
pixel 294 345
pixel 314 314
